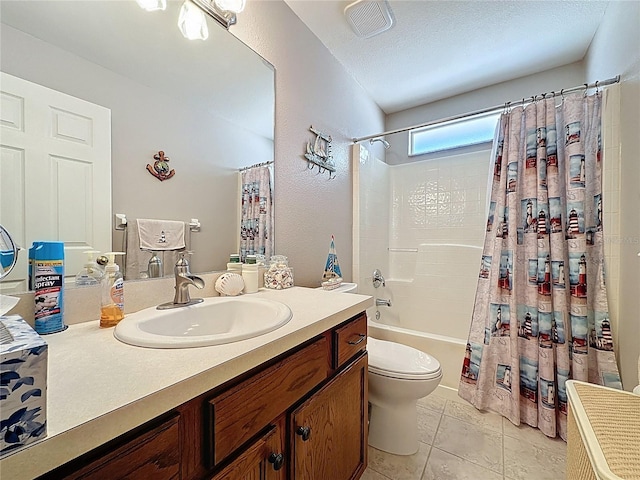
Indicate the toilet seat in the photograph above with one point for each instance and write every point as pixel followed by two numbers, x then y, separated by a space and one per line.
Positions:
pixel 396 360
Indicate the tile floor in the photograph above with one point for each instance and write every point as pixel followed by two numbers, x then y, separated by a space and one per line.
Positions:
pixel 458 442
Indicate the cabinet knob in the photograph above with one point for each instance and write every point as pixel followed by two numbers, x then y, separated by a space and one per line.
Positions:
pixel 304 432
pixel 277 459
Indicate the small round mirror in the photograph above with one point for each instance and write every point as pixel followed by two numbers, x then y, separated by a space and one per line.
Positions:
pixel 8 252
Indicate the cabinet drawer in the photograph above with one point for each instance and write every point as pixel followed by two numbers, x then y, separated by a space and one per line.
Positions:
pixel 154 454
pixel 263 460
pixel 349 339
pixel 241 412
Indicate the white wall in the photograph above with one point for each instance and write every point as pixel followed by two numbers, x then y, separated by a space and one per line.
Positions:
pixel 615 50
pixel 312 88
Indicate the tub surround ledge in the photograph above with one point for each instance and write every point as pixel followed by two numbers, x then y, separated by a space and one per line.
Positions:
pixel 100 388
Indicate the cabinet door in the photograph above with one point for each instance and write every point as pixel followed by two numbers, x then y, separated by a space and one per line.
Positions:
pixel 264 460
pixel 329 430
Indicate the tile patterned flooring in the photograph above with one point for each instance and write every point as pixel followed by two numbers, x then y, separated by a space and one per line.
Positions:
pixel 458 442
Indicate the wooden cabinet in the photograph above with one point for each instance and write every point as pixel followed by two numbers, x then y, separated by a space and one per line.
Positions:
pixel 329 437
pixel 300 416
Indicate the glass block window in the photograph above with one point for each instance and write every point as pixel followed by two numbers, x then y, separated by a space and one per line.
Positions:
pixel 454 134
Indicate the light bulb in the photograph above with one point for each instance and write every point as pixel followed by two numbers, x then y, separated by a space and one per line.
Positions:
pixel 192 22
pixel 152 5
pixel 235 6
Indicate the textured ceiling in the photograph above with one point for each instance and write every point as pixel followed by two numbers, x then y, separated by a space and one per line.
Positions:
pixel 438 49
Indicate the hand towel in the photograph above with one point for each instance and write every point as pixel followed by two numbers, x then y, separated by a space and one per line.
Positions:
pixel 137 261
pixel 161 235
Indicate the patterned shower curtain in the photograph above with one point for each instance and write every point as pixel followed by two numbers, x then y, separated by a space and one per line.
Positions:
pixel 256 224
pixel 540 314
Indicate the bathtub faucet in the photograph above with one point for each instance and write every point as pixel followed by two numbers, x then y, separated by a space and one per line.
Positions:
pixel 380 302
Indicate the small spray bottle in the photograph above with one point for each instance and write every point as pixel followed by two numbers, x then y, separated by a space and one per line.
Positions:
pixel 112 306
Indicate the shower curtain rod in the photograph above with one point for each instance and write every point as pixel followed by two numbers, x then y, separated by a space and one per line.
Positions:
pixel 263 164
pixel 597 84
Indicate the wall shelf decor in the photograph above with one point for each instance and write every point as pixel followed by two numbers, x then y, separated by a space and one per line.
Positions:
pixel 160 168
pixel 318 153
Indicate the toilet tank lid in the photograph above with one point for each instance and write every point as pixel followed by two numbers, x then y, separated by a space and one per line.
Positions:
pixel 399 358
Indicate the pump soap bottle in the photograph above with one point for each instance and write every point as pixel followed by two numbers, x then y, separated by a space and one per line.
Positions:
pixel 112 306
pixel 92 273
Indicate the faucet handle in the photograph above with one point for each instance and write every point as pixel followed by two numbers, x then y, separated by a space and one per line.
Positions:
pixel 378 279
pixel 182 261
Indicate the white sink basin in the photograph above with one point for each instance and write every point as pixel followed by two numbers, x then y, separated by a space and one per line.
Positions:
pixel 215 321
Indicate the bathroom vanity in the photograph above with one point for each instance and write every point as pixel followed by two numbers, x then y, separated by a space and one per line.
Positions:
pixel 290 404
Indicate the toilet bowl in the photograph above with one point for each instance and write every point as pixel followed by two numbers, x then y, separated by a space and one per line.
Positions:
pixel 399 375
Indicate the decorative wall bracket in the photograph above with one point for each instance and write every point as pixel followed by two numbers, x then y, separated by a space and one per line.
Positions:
pixel 160 168
pixel 319 153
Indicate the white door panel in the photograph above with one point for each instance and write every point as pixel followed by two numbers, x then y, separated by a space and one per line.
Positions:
pixel 55 173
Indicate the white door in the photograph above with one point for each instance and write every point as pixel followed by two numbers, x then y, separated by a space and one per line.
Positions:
pixel 55 173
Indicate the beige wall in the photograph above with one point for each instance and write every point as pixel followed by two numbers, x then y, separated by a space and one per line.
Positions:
pixel 312 88
pixel 144 120
pixel 549 80
pixel 615 50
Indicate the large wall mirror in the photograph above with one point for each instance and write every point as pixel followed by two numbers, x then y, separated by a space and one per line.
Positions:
pixel 209 105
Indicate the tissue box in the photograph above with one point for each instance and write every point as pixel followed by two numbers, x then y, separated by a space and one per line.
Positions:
pixel 23 384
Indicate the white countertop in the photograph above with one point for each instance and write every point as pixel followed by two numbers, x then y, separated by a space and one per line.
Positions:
pixel 99 388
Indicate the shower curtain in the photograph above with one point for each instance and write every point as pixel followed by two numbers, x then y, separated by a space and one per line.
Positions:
pixel 540 314
pixel 256 223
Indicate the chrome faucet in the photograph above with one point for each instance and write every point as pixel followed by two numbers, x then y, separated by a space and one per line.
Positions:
pixel 183 280
pixel 383 303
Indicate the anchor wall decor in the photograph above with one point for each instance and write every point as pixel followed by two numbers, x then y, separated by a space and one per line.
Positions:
pixel 160 168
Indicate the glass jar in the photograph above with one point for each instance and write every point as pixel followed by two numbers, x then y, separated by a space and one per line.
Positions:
pixel 279 275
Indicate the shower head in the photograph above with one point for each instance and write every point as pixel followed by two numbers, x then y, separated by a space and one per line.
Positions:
pixel 384 142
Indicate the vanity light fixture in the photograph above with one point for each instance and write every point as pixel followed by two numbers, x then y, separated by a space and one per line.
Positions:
pixel 192 22
pixel 235 6
pixel 152 5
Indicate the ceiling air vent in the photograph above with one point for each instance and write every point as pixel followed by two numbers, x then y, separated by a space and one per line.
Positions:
pixel 368 18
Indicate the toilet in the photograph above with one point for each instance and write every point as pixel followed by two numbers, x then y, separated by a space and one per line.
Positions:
pixel 399 375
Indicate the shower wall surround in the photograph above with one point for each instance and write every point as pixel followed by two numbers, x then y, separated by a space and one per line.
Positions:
pixel 437 201
pixel 371 200
pixel 611 204
pixel 438 219
pixel 422 224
